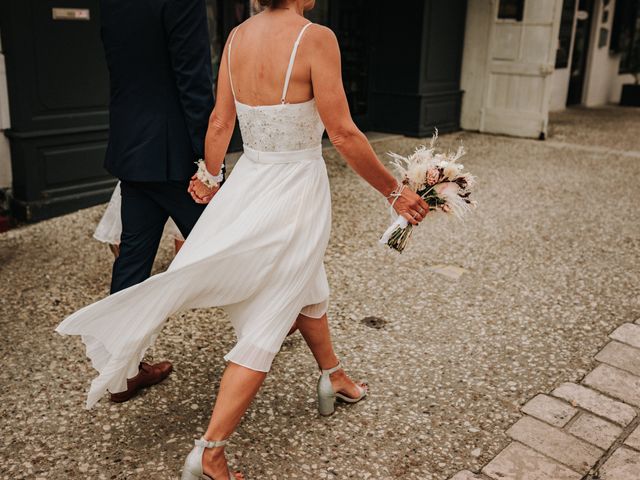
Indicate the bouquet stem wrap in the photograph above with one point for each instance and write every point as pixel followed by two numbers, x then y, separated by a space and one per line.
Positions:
pixel 400 224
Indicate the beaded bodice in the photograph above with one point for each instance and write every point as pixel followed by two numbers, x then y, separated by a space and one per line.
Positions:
pixel 284 127
pixel 280 128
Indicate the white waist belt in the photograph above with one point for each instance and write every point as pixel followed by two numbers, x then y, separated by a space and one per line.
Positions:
pixel 293 156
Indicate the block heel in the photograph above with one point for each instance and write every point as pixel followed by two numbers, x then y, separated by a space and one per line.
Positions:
pixel 327 396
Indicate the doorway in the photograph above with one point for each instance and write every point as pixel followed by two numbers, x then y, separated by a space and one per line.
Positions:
pixel 580 52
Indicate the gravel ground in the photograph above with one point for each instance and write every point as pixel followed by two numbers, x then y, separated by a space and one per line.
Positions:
pixel 611 127
pixel 550 263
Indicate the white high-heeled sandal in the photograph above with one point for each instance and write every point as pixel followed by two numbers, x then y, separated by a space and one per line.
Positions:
pixel 327 396
pixel 192 469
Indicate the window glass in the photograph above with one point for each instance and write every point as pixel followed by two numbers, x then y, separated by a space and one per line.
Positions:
pixel 511 9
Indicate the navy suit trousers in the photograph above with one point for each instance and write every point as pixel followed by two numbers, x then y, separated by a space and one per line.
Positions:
pixel 146 207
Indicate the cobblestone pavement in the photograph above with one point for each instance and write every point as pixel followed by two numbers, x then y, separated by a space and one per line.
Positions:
pixel 475 320
pixel 588 430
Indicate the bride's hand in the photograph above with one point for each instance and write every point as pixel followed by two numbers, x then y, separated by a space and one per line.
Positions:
pixel 200 192
pixel 410 206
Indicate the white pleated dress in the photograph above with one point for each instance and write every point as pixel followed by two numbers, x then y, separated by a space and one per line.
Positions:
pixel 257 251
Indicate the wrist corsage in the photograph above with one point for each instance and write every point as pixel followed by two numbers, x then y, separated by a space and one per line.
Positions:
pixel 211 181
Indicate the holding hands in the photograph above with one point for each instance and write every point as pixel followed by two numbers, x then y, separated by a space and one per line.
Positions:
pixel 203 185
pixel 200 192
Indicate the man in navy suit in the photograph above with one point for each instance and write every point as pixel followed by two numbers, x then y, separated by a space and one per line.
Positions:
pixel 159 63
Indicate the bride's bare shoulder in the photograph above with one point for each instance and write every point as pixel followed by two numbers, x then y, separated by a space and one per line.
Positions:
pixel 256 17
pixel 322 42
pixel 322 38
pixel 253 20
pixel 249 21
pixel 321 33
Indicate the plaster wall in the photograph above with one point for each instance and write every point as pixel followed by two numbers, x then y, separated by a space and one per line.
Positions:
pixel 559 89
pixel 475 60
pixel 602 67
pixel 615 91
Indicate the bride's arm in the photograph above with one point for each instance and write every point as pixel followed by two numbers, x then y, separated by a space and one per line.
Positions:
pixel 326 76
pixel 222 121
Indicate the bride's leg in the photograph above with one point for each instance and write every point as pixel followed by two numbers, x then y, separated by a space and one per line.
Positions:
pixel 238 387
pixel 316 333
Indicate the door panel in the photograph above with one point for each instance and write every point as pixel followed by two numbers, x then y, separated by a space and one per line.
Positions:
pixel 521 57
pixel 507 42
pixel 540 11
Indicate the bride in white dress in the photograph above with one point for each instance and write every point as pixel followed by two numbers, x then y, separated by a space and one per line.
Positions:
pixel 258 248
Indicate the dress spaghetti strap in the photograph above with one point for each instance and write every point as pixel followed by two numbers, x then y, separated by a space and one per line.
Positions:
pixel 233 35
pixel 291 61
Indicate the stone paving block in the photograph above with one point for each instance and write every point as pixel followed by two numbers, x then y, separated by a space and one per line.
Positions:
pixel 595 402
pixel 573 452
pixel 633 440
pixel 627 333
pixel 465 475
pixel 450 271
pixel 595 430
pixel 621 356
pixel 616 383
pixel 624 464
pixel 550 410
pixel 518 462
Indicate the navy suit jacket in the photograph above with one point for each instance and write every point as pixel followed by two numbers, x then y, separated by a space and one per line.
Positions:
pixel 159 63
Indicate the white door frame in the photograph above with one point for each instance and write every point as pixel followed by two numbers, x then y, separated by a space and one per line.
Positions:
pixel 513 120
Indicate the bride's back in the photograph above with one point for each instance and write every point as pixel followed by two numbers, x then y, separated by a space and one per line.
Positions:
pixel 260 55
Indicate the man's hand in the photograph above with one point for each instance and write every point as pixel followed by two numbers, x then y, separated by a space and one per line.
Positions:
pixel 200 192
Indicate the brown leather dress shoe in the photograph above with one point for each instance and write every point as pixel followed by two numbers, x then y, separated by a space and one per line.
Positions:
pixel 148 375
